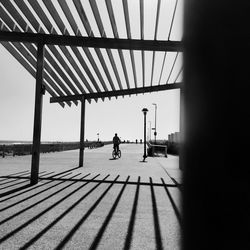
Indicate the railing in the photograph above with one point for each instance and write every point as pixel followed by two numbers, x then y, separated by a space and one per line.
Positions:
pixel 96 144
pixel 153 149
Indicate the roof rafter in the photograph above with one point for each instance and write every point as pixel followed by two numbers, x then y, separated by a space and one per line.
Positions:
pixel 155 37
pixel 92 42
pixel 64 30
pixel 131 91
pixel 65 8
pixel 71 67
pixel 115 33
pixel 16 16
pixel 170 73
pixel 102 32
pixel 40 12
pixel 88 29
pixel 32 51
pixel 142 38
pixel 177 76
pixel 23 7
pixel 126 15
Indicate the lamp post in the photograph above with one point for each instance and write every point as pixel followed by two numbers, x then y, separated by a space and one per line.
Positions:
pixel 155 133
pixel 97 136
pixel 145 113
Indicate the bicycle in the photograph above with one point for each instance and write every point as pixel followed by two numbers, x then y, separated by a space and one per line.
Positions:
pixel 116 154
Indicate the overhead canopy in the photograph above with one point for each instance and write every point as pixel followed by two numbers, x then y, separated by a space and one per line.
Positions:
pixel 97 49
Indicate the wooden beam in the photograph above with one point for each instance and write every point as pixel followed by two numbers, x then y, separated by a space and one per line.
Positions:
pixel 94 42
pixel 142 38
pixel 142 18
pixel 71 20
pixel 124 68
pixel 155 38
pixel 126 15
pixel 157 18
pixel 37 116
pixel 116 35
pixel 103 34
pixel 82 128
pixel 87 25
pixel 170 73
pixel 143 67
pixel 118 92
pixel 53 12
pixel 45 20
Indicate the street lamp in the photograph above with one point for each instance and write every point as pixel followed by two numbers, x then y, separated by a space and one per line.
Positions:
pixel 98 136
pixel 145 113
pixel 155 133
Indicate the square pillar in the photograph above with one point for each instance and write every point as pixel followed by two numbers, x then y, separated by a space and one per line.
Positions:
pixel 81 152
pixel 37 115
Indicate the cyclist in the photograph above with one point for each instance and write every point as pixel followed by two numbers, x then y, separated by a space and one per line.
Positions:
pixel 116 142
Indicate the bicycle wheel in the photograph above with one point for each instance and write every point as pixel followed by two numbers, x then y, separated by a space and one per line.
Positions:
pixel 119 153
pixel 113 154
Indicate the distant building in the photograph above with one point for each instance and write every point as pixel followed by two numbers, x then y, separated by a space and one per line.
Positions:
pixel 174 143
pixel 174 137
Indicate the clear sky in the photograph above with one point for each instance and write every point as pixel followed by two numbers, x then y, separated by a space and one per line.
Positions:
pixel 122 115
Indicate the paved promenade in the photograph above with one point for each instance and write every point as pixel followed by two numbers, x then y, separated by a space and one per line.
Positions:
pixel 107 204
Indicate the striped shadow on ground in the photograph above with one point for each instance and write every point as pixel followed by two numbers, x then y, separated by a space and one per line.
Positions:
pixel 82 210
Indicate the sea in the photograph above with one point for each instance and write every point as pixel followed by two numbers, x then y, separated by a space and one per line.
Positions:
pixel 9 142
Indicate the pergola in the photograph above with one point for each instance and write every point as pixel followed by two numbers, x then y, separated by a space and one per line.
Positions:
pixel 86 49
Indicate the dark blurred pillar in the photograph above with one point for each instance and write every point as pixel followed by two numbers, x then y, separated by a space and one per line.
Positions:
pixel 215 155
pixel 182 126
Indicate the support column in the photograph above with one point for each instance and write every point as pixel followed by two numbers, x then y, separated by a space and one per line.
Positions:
pixel 37 115
pixel 81 153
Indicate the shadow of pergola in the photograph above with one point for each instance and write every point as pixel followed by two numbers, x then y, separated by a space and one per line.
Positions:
pixel 19 198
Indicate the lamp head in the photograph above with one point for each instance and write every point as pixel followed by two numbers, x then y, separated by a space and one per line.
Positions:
pixel 145 110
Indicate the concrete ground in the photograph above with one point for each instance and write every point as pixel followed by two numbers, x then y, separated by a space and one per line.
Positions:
pixel 107 204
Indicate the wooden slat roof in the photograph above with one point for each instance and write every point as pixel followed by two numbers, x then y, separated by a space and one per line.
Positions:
pixel 96 49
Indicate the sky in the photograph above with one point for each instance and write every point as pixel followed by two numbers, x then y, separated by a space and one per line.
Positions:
pixel 123 115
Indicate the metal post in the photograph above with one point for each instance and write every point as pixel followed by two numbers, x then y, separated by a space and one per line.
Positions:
pixel 145 113
pixel 149 130
pixel 81 153
pixel 37 115
pixel 145 155
pixel 155 122
pixel 155 133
